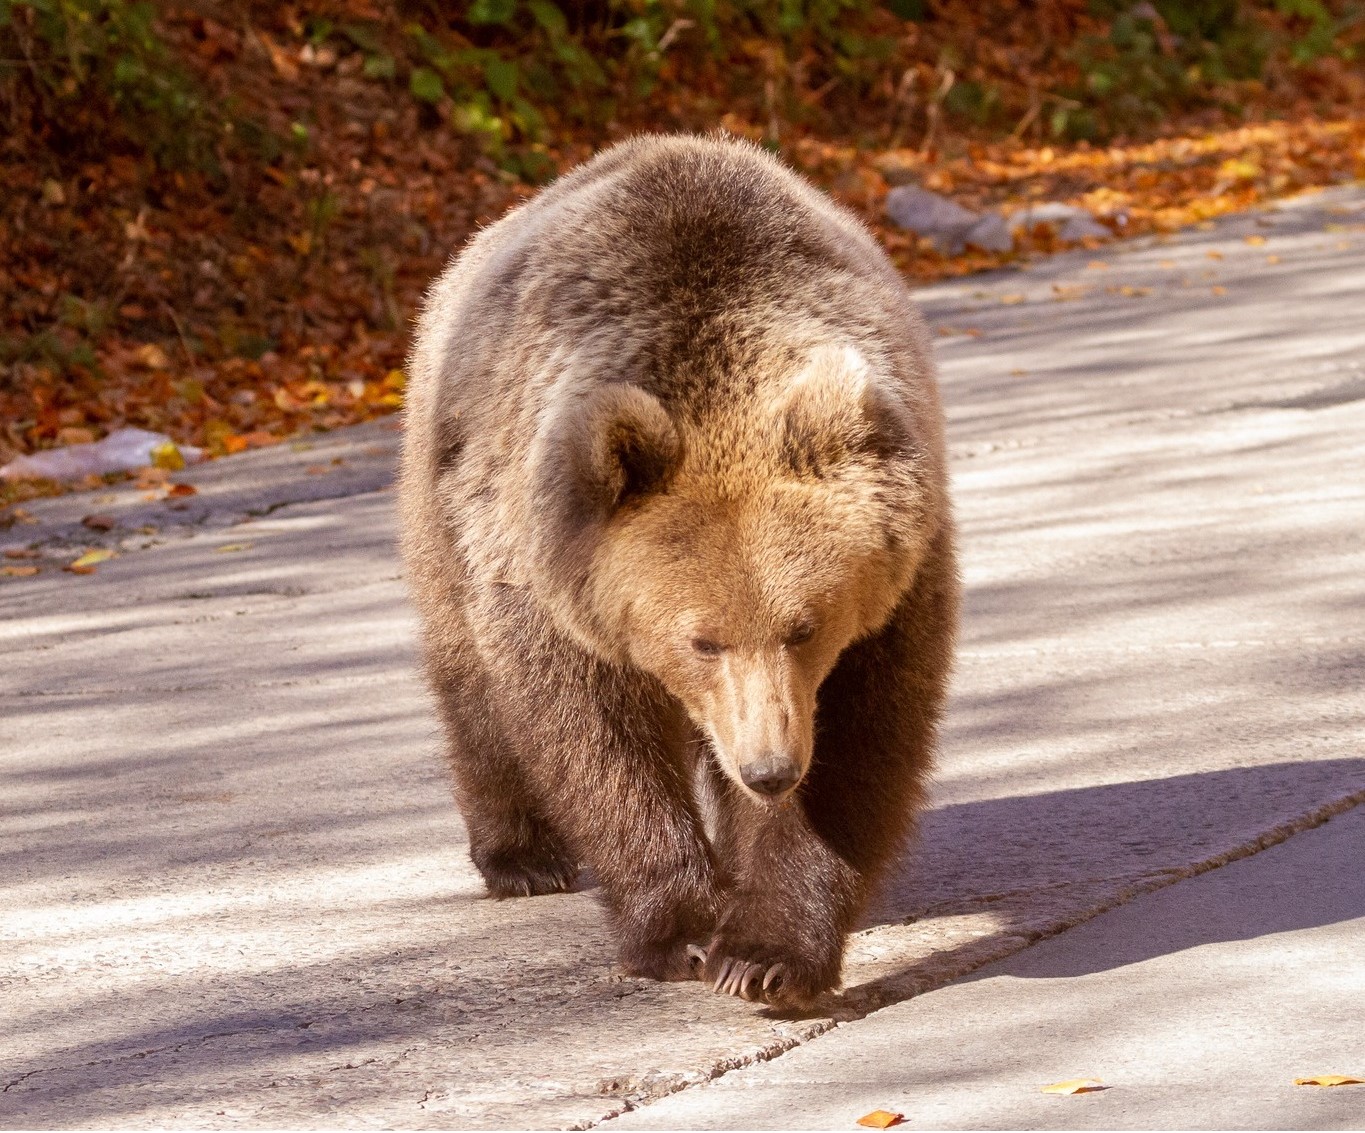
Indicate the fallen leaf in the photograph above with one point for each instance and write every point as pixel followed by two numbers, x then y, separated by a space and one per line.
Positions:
pixel 1217 290
pixel 881 1119
pixel 87 562
pixel 1272 259
pixel 1330 1080
pixel 1214 254
pixel 150 477
pixel 1075 1086
pixel 1255 241
pixel 152 356
pixel 99 522
pixel 1010 300
pixel 318 469
pixel 22 515
pixel 1097 265
pixel 166 455
pixel 175 491
pixel 20 553
pixel 19 571
pixel 228 548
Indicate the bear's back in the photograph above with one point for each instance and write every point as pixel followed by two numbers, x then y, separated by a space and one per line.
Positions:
pixel 684 265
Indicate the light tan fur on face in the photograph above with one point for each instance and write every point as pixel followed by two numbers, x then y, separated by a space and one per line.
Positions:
pixel 778 565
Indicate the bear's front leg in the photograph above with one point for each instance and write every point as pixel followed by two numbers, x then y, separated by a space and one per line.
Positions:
pixel 781 937
pixel 616 787
pixel 807 864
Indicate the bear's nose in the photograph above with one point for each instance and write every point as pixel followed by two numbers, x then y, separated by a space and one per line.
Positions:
pixel 770 775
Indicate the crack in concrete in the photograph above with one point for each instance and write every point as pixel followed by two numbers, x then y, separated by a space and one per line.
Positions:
pixel 1011 943
pixel 130 1055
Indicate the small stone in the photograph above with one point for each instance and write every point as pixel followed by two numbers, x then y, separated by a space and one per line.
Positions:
pixel 1072 222
pixel 927 214
pixel 1082 227
pixel 1049 212
pixel 991 234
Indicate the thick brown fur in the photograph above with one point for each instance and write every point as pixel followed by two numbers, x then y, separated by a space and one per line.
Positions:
pixel 676 518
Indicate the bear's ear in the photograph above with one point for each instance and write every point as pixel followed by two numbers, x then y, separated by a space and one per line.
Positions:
pixel 835 412
pixel 612 446
pixel 595 454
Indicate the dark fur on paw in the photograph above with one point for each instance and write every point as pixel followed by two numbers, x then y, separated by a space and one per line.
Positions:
pixel 527 872
pixel 670 961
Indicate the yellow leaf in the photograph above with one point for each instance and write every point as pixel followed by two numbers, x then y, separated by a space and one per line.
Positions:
pixel 167 456
pixel 152 356
pixel 228 548
pixel 1009 300
pixel 881 1119
pixel 1075 1086
pixel 1255 241
pixel 1330 1080
pixel 90 558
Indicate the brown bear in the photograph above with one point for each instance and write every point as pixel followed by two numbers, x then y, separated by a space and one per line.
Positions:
pixel 675 515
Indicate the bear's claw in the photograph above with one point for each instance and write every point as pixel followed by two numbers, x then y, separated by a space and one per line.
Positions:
pixel 740 977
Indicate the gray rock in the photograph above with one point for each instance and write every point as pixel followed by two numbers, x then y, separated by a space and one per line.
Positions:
pixel 943 221
pixel 1080 227
pixel 1071 221
pixel 1050 212
pixel 991 234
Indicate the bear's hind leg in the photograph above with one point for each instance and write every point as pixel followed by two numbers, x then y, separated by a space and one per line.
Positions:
pixel 514 847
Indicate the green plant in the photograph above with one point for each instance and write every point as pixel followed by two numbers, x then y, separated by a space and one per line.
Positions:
pixel 80 55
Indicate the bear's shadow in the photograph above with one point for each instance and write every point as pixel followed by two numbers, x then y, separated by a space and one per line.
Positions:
pixel 996 854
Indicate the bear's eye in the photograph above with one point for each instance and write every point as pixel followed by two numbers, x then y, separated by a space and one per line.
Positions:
pixel 802 633
pixel 706 647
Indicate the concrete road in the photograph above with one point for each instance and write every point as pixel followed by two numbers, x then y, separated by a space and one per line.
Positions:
pixel 1196 1007
pixel 233 888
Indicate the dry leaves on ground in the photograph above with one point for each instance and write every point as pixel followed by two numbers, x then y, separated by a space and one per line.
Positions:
pixel 1330 1080
pixel 1076 1086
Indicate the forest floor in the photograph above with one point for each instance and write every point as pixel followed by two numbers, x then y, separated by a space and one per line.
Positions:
pixel 274 300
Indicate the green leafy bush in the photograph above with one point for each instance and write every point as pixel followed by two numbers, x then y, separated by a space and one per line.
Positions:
pixel 64 57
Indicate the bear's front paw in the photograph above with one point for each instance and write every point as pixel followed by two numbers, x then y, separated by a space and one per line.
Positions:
pixel 761 974
pixel 533 871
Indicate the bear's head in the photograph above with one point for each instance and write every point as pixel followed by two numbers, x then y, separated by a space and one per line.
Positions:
pixel 734 556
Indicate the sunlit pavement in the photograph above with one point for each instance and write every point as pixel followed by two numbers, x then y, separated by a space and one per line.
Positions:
pixel 233 888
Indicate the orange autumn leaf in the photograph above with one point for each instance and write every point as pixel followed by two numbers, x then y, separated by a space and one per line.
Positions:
pixel 175 491
pixel 881 1119
pixel 19 571
pixel 1075 1086
pixel 1330 1080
